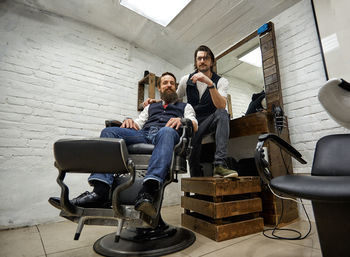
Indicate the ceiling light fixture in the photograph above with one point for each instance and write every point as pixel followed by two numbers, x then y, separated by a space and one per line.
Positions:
pixel 252 57
pixel 159 11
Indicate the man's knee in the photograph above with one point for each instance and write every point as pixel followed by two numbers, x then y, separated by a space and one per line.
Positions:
pixel 167 131
pixel 109 132
pixel 167 134
pixel 221 114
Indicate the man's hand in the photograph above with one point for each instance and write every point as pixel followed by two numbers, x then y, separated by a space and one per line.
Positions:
pixel 174 123
pixel 149 101
pixel 130 123
pixel 218 100
pixel 199 76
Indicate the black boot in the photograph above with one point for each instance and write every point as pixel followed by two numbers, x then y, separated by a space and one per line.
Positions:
pixel 98 198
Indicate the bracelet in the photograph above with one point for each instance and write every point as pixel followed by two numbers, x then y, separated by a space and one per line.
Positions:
pixel 211 87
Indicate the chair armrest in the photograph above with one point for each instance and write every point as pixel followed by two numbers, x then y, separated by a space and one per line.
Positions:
pixel 187 122
pixel 282 144
pixel 262 164
pixel 113 123
pixel 184 145
pixel 187 126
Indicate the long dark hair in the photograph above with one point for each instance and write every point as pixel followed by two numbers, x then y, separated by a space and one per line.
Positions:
pixel 208 51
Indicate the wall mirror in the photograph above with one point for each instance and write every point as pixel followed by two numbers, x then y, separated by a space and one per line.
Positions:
pixel 242 67
pixel 250 76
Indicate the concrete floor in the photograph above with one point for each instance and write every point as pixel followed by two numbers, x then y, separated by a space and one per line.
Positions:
pixel 56 240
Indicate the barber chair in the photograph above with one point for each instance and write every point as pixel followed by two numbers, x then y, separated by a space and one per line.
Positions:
pixel 328 187
pixel 137 234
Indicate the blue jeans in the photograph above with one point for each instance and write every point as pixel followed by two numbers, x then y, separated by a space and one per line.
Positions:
pixel 164 139
pixel 220 123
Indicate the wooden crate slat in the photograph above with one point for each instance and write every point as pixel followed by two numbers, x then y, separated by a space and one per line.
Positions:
pixel 224 209
pixel 241 228
pixel 225 231
pixel 220 186
pixel 197 187
pixel 203 207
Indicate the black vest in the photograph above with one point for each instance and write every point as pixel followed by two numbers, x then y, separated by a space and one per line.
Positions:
pixel 158 116
pixel 204 106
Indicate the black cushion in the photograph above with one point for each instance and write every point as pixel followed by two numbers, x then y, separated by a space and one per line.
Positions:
pixel 140 148
pixel 316 188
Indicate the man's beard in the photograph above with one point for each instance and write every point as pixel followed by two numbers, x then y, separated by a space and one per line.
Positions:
pixel 168 96
pixel 203 68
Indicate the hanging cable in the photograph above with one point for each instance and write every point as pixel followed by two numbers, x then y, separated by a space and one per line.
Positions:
pixel 276 229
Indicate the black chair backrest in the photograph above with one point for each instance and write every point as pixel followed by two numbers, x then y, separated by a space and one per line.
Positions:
pixel 332 156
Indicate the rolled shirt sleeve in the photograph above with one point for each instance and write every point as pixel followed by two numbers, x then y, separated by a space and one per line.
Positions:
pixel 181 89
pixel 190 113
pixel 222 87
pixel 143 117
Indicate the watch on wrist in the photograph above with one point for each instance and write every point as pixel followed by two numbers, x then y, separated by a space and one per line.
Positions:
pixel 212 86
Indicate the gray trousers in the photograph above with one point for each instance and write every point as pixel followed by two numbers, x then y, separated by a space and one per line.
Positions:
pixel 218 122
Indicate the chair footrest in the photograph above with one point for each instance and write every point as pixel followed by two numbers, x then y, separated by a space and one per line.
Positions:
pixel 99 155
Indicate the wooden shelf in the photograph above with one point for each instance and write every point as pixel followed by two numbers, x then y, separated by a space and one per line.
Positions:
pixel 151 81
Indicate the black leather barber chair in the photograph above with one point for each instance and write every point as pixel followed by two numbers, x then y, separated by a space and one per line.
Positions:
pixel 328 187
pixel 137 234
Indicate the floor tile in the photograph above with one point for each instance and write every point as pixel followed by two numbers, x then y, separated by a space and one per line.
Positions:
pixel 21 242
pixel 204 245
pixel 172 215
pixel 56 240
pixel 86 251
pixel 260 246
pixel 58 237
pixel 302 226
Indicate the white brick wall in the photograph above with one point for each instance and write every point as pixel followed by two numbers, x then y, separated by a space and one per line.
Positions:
pixel 58 79
pixel 302 75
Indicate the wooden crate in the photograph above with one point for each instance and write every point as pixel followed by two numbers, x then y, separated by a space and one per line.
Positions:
pixel 221 208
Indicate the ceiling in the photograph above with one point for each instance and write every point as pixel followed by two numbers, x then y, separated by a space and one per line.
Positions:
pixel 215 23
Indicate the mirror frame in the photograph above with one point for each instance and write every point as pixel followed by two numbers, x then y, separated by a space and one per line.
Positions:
pixel 272 82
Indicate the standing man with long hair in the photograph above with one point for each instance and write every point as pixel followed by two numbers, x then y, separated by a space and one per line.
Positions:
pixel 206 91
